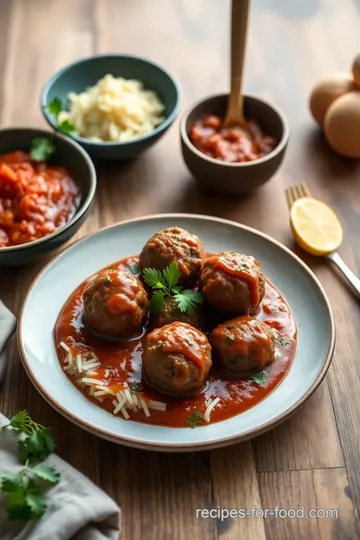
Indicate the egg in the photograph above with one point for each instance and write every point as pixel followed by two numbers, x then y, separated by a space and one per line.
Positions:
pixel 326 92
pixel 342 125
pixel 356 70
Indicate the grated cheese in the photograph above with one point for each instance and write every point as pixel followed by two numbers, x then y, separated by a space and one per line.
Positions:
pixel 210 407
pixel 64 346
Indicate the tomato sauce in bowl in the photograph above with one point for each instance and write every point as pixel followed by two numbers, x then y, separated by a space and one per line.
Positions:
pixel 35 198
pixel 109 367
pixel 233 145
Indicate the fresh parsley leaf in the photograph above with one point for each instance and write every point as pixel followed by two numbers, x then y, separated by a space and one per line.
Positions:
pixel 49 474
pixel 36 502
pixel 39 445
pixel 172 274
pixel 195 420
pixel 284 342
pixel 231 336
pixel 42 148
pixel 20 421
pixel 10 482
pixel 259 377
pixel 66 127
pixel 154 278
pixel 189 342
pixel 107 279
pixel 135 387
pixel 133 268
pixel 157 302
pixel 55 106
pixel 187 300
pixel 17 508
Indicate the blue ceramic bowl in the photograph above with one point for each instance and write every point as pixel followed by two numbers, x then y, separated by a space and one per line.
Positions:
pixel 87 72
pixel 67 154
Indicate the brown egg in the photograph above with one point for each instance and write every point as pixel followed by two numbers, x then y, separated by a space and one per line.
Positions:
pixel 325 93
pixel 356 70
pixel 342 125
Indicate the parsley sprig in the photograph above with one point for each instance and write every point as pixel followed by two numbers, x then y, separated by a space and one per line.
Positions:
pixel 259 377
pixel 42 148
pixel 166 283
pixel 25 491
pixel 195 420
pixel 55 107
pixel 26 488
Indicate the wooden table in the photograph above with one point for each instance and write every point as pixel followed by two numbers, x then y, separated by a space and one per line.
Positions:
pixel 313 458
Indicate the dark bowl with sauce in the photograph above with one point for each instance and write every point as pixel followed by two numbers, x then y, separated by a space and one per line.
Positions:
pixel 234 178
pixel 69 155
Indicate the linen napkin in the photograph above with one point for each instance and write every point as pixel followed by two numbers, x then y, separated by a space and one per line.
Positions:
pixel 76 508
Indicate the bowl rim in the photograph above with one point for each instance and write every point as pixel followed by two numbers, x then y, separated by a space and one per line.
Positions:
pixel 277 150
pixel 110 144
pixel 82 208
pixel 185 447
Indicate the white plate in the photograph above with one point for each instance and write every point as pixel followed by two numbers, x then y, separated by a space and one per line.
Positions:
pixel 49 291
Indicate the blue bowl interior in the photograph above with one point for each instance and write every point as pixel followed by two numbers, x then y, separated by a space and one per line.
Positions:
pixel 84 73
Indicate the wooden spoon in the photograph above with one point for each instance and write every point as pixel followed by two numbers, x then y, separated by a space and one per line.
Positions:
pixel 239 22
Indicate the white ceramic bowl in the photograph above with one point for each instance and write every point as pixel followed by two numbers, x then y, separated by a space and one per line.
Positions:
pixel 49 291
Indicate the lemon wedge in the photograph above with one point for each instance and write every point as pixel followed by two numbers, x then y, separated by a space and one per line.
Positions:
pixel 315 226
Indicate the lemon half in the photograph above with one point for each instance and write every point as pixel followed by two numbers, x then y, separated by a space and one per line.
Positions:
pixel 315 226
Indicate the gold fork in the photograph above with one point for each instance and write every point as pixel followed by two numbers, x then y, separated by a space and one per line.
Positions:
pixel 298 191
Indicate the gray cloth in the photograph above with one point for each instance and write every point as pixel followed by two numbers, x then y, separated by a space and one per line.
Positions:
pixel 7 328
pixel 76 508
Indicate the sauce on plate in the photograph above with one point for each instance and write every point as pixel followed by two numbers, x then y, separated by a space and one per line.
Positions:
pixel 121 363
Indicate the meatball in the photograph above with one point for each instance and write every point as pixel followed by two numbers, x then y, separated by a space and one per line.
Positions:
pixel 115 304
pixel 174 244
pixel 233 283
pixel 171 313
pixel 176 359
pixel 243 344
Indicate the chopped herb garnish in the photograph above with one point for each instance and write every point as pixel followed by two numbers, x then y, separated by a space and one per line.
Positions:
pixel 67 127
pixel 165 283
pixel 133 268
pixel 195 420
pixel 55 106
pixel 159 344
pixel 231 336
pixel 107 279
pixel 189 342
pixel 135 387
pixel 259 377
pixel 127 372
pixel 241 268
pixel 284 342
pixel 42 148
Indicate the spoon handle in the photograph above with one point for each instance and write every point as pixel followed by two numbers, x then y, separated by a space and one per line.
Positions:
pixel 350 276
pixel 239 23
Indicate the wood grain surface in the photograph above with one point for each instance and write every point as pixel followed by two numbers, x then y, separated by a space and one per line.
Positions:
pixel 312 460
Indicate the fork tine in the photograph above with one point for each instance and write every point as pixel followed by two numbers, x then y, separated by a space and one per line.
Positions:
pixel 305 189
pixel 289 197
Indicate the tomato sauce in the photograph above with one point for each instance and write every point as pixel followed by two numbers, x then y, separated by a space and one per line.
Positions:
pixel 35 198
pixel 235 144
pixel 121 363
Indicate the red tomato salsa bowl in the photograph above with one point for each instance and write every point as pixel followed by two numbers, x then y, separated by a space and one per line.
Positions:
pixel 46 191
pixel 229 160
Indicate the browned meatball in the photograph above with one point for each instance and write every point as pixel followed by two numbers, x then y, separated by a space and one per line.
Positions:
pixel 115 304
pixel 233 283
pixel 171 313
pixel 243 344
pixel 176 359
pixel 174 244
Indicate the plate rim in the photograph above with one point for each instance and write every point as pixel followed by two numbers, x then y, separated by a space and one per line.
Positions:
pixel 191 446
